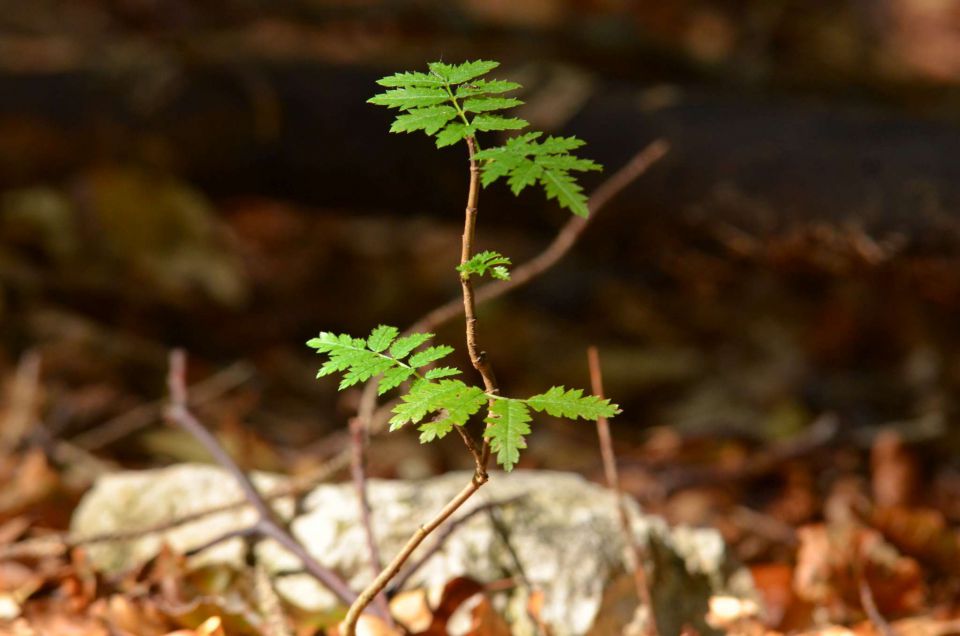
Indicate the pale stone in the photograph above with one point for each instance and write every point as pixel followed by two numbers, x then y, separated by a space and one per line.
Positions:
pixel 563 531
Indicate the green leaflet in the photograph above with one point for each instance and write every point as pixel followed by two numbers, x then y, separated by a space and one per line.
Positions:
pixel 405 345
pixel 454 399
pixel 524 161
pixel 559 402
pixel 361 359
pixel 507 423
pixel 381 337
pixel 431 354
pixel 429 120
pixel 454 102
pixel 450 402
pixel 482 263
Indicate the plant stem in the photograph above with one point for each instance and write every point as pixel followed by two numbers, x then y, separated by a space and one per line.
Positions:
pixel 480 363
pixel 349 625
pixel 359 475
pixel 613 483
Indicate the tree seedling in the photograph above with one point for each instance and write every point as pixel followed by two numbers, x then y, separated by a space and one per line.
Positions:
pixel 453 104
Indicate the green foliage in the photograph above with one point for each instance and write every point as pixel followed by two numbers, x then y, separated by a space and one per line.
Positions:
pixel 507 423
pixel 453 102
pixel 483 262
pixel 524 161
pixel 571 404
pixel 450 402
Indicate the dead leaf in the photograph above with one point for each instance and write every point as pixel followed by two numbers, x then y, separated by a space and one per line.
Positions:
pixel 412 609
pixel 487 621
pixel 455 593
pixel 895 473
pixel 832 560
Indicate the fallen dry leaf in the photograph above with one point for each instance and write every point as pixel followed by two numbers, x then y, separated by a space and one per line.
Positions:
pixel 832 560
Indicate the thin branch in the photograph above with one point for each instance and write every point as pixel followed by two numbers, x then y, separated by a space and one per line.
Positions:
pixel 353 614
pixel 59 543
pixel 144 415
pixel 403 577
pixel 561 244
pixel 268 526
pixel 359 476
pixel 613 483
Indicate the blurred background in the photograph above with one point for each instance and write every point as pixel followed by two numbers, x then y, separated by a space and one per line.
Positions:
pixel 208 175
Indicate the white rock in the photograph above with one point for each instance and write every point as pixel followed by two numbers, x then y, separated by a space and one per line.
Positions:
pixel 563 530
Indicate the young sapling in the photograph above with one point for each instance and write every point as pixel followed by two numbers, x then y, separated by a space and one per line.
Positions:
pixel 454 103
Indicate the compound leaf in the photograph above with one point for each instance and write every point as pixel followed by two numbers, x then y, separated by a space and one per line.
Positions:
pixel 525 160
pixel 483 262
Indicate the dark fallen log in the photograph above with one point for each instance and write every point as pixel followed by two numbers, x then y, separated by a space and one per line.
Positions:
pixel 305 133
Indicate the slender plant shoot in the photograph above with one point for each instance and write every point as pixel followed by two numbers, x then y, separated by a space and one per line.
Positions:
pixel 454 103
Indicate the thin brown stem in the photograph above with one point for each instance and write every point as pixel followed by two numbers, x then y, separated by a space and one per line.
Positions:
pixel 413 567
pixel 482 365
pixel 561 244
pixel 353 614
pixel 267 525
pixel 613 483
pixel 359 475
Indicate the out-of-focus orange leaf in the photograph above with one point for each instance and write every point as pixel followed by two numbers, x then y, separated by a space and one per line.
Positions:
pixel 832 560
pixel 921 533
pixel 412 609
pixel 213 626
pixel 455 593
pixel 783 610
pixel 126 616
pixel 27 480
pixel 369 625
pixel 487 621
pixel 895 472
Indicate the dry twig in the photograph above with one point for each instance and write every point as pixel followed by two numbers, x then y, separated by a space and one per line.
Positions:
pixel 359 476
pixel 613 483
pixel 267 524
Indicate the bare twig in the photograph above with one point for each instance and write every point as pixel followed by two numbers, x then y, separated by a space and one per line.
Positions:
pixel 613 483
pixel 359 476
pixel 561 244
pixel 870 608
pixel 21 412
pixel 59 543
pixel 414 566
pixel 267 524
pixel 350 622
pixel 146 414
